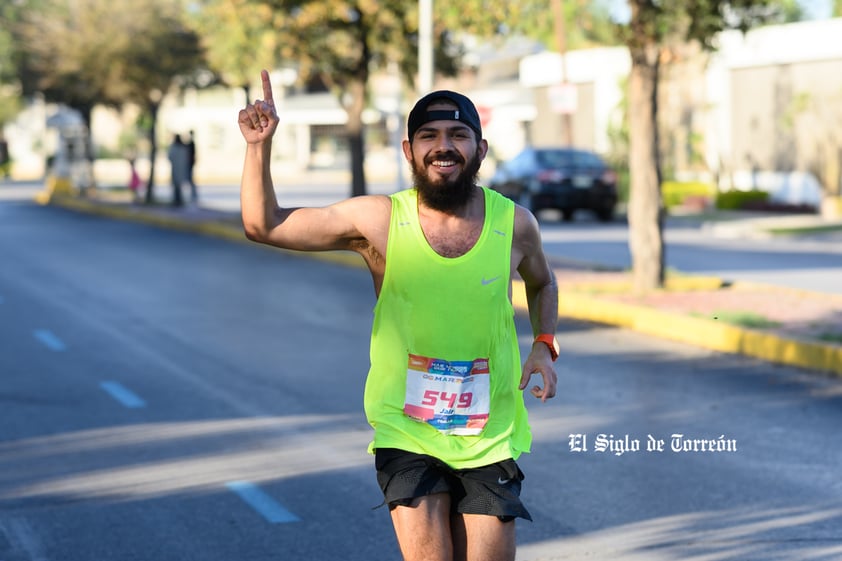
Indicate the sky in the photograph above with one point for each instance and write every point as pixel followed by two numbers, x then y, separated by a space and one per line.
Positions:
pixel 818 9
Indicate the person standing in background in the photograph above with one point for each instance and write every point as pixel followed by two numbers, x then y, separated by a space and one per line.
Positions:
pixel 191 163
pixel 134 181
pixel 178 157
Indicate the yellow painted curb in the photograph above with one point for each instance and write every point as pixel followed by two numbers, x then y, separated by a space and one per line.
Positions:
pixel 56 186
pixel 705 333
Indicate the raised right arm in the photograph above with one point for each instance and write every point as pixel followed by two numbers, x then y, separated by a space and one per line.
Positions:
pixel 264 221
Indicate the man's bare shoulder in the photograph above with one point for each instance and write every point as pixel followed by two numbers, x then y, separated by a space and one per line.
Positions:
pixel 368 217
pixel 377 201
pixel 366 208
pixel 526 230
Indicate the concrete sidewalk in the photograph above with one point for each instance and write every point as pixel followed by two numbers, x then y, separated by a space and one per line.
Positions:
pixel 778 325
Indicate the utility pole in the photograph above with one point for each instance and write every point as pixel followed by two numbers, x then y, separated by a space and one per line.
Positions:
pixel 561 41
pixel 425 46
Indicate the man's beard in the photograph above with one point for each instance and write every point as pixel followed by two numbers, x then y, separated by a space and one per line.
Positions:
pixel 447 195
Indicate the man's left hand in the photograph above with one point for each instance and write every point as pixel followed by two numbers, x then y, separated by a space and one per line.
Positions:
pixel 540 362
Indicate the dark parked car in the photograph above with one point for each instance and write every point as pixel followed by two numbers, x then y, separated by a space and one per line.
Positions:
pixel 566 179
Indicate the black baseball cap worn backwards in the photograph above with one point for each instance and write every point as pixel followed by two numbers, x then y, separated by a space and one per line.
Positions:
pixel 466 112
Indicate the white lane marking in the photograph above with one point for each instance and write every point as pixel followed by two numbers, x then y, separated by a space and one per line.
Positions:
pixel 125 396
pixel 24 542
pixel 49 339
pixel 268 507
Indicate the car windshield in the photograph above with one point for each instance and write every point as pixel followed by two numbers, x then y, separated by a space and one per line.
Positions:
pixel 567 159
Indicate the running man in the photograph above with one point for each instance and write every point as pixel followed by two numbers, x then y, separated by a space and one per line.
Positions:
pixel 444 393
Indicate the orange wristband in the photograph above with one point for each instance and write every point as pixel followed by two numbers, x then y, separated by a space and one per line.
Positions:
pixel 551 342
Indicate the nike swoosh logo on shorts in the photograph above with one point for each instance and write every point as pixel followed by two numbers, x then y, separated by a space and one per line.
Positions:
pixel 501 481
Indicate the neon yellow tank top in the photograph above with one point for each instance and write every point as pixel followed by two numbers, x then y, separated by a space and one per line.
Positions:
pixel 434 310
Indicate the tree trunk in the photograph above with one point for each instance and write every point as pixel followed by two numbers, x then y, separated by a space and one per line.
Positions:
pixel 354 130
pixel 645 205
pixel 153 152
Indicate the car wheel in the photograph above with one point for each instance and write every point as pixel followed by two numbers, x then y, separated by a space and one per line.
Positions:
pixel 605 214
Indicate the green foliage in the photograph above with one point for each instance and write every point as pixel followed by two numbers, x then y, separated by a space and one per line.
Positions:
pixel 654 23
pixel 341 42
pixel 676 193
pixel 7 42
pixel 587 23
pixel 10 104
pixel 108 52
pixel 105 52
pixel 831 337
pixel 238 38
pixel 736 200
pixel 653 28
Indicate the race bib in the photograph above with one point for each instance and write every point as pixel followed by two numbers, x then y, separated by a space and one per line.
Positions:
pixel 452 396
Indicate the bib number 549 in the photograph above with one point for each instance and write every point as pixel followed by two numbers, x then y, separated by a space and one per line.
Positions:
pixel 432 398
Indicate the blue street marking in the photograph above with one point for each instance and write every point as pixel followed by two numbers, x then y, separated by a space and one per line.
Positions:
pixel 49 339
pixel 124 396
pixel 270 509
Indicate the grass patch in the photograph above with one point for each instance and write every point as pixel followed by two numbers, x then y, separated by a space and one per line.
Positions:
pixel 806 230
pixel 831 337
pixel 742 319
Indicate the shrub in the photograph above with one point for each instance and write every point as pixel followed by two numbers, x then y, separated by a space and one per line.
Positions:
pixel 737 200
pixel 676 193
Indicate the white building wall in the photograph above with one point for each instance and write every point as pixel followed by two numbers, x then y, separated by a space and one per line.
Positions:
pixel 605 68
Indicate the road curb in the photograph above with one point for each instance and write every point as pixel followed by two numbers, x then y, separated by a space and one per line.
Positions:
pixel 582 303
pixel 703 332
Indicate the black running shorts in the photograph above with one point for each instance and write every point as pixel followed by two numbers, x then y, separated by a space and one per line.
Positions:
pixel 493 489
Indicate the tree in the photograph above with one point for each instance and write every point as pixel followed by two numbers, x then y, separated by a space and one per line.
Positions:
pixel 588 23
pixel 63 43
pixel 9 84
pixel 652 25
pixel 109 52
pixel 158 54
pixel 238 40
pixel 341 42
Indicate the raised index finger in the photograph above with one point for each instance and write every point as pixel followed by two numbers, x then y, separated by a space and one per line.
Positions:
pixel 267 87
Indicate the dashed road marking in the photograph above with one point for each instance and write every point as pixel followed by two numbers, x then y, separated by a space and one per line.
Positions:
pixel 268 507
pixel 49 339
pixel 123 395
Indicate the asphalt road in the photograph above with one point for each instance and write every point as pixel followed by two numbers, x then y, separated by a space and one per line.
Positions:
pixel 802 262
pixel 176 397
